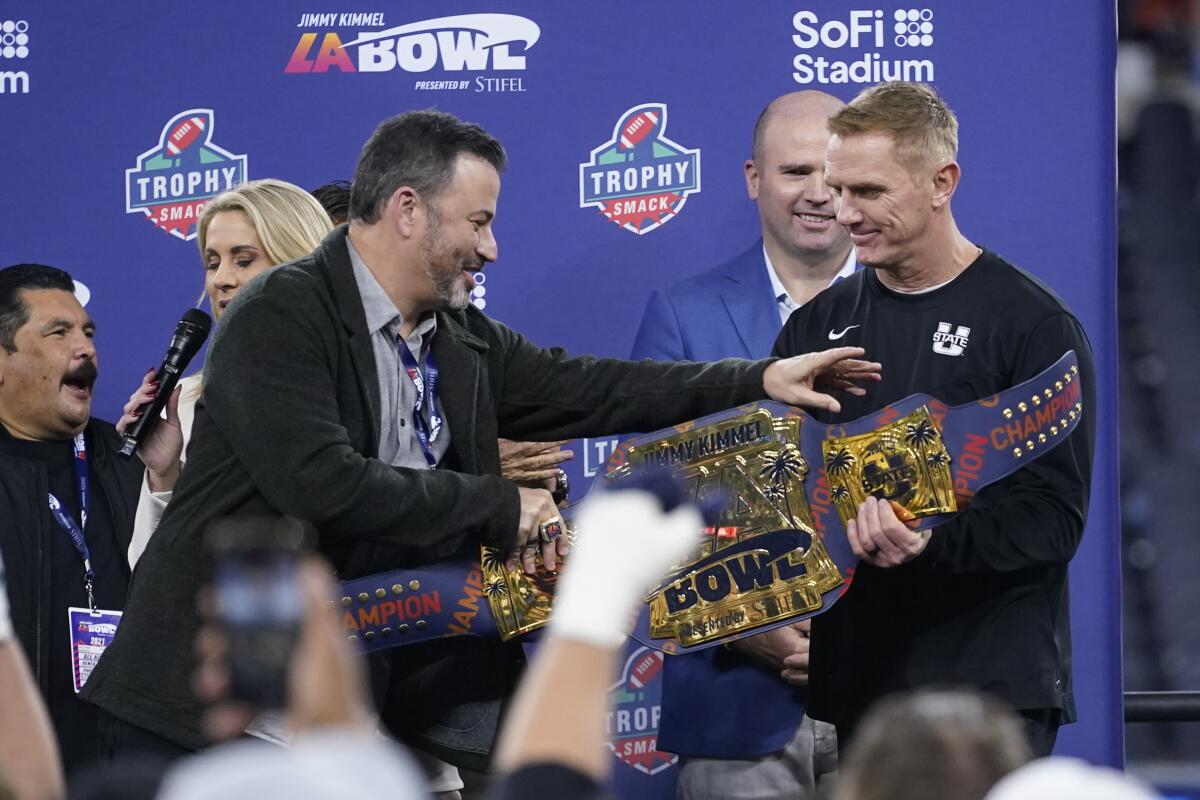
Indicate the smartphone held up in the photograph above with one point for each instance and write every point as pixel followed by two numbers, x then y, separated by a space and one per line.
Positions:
pixel 259 603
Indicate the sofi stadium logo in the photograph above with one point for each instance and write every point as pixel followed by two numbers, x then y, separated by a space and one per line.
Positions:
pixel 882 39
pixel 463 43
pixel 174 179
pixel 14 46
pixel 639 178
pixel 636 708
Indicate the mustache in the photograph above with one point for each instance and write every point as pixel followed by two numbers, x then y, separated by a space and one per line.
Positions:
pixel 84 374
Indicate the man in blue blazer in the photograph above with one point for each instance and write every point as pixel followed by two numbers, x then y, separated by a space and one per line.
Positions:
pixel 736 310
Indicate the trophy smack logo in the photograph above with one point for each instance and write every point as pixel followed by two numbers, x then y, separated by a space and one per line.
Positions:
pixel 174 180
pixel 632 724
pixel 639 178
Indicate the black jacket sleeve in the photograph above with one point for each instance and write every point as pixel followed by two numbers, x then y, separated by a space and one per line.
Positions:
pixel 547 395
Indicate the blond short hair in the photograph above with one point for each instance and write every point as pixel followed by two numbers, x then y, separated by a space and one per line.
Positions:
pixel 289 221
pixel 923 128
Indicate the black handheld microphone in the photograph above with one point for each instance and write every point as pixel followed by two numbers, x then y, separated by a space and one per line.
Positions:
pixel 189 335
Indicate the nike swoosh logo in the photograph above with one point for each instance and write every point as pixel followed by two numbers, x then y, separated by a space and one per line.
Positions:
pixel 833 336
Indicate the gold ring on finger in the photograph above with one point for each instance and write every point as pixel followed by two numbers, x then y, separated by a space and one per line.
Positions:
pixel 550 530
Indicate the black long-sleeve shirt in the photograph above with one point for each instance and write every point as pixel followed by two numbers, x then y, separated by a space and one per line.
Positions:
pixel 985 604
pixel 45 571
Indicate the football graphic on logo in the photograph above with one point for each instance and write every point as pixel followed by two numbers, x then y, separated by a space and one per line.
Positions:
pixel 637 128
pixel 645 670
pixel 184 135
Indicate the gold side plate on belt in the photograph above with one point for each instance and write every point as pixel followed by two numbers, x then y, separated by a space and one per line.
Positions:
pixel 904 461
pixel 520 602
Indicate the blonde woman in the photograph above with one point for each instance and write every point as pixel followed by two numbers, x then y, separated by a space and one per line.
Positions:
pixel 242 233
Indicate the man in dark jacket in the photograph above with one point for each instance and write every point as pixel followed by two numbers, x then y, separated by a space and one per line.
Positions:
pixel 50 448
pixel 357 389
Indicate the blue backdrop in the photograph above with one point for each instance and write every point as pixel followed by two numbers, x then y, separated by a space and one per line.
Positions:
pixel 88 94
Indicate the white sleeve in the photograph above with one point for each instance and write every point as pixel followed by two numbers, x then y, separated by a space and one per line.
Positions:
pixel 152 504
pixel 145 520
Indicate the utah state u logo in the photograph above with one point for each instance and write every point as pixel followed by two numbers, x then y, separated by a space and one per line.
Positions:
pixel 639 178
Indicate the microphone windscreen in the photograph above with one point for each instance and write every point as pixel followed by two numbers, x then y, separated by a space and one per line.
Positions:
pixel 200 319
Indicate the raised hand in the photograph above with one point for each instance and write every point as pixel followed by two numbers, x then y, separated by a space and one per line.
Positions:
pixel 803 380
pixel 160 453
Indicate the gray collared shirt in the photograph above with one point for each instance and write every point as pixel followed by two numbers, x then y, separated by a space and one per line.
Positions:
pixel 398 443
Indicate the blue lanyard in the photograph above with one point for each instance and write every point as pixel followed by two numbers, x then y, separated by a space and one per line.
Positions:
pixel 426 384
pixel 75 529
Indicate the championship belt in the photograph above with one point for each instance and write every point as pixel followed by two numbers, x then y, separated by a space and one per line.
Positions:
pixel 779 552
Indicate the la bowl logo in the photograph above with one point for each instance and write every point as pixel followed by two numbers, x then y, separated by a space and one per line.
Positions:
pixel 175 179
pixel 636 708
pixel 466 42
pixel 639 178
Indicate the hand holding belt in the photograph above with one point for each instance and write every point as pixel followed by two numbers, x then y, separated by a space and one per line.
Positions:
pixel 779 553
